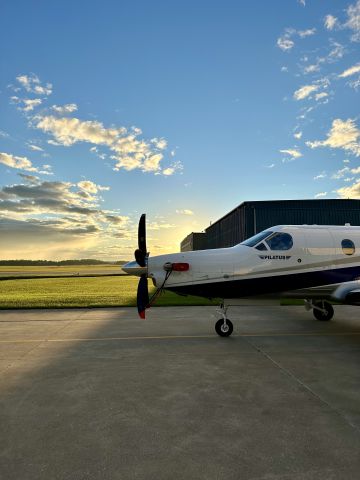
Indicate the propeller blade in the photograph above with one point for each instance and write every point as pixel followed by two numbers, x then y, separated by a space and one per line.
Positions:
pixel 142 234
pixel 140 252
pixel 142 299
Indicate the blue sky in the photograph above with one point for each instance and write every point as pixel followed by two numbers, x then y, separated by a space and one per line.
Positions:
pixel 181 110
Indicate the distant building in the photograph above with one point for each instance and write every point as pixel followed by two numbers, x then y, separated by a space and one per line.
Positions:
pixel 194 241
pixel 253 217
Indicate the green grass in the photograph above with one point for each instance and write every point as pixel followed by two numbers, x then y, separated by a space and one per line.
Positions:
pixel 73 292
pixel 49 270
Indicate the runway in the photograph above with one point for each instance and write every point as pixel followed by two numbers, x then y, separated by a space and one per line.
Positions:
pixel 101 394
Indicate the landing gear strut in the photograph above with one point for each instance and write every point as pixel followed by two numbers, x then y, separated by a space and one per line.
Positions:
pixel 224 326
pixel 322 310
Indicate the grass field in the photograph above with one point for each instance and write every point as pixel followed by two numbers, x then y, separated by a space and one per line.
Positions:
pixel 62 270
pixel 72 292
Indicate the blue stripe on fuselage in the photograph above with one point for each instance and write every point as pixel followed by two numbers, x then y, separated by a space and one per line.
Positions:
pixel 270 284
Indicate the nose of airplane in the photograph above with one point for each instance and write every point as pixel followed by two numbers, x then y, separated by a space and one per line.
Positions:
pixel 133 268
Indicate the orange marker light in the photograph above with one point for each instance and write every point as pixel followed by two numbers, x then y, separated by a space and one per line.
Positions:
pixel 180 267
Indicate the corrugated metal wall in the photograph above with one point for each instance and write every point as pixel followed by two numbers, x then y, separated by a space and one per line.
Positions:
pixel 253 217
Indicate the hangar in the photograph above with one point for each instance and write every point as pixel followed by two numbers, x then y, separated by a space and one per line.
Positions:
pixel 252 217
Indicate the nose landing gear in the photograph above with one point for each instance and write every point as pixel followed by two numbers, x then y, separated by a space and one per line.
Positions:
pixel 224 326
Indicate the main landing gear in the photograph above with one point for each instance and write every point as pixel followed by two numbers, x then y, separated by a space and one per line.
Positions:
pixel 322 310
pixel 224 326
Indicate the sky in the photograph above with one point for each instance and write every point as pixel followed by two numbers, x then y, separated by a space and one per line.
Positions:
pixel 180 110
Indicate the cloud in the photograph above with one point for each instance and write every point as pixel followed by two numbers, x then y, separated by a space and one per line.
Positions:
pixel 4 134
pixel 305 91
pixel 355 170
pixel 321 95
pixel 185 211
pixel 26 104
pixel 285 43
pixel 340 173
pixel 302 2
pixel 64 109
pixel 129 151
pixel 59 206
pixel 330 22
pixel 31 83
pixel 29 178
pixel 321 194
pixel 350 71
pixel 35 148
pixel 353 21
pixel 293 153
pixel 22 163
pixel 353 191
pixel 306 33
pixel 91 187
pixel 344 134
pixel 298 135
pixel 321 175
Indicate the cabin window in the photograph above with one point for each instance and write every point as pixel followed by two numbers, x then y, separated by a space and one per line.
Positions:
pixel 348 246
pixel 261 246
pixel 252 241
pixel 280 241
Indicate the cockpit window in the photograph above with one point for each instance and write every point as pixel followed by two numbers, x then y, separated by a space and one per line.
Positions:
pixel 348 246
pixel 280 241
pixel 261 246
pixel 252 241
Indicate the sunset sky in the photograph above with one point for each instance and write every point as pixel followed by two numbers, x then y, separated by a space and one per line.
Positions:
pixel 181 110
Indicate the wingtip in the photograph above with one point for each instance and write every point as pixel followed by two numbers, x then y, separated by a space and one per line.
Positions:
pixel 142 315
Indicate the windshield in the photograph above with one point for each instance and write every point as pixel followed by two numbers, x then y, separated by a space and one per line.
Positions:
pixel 252 241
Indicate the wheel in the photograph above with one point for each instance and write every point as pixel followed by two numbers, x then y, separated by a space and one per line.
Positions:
pixel 324 317
pixel 224 330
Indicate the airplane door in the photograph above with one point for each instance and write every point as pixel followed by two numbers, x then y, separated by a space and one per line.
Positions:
pixel 320 248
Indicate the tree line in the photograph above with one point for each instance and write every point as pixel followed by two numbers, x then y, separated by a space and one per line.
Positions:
pixel 50 263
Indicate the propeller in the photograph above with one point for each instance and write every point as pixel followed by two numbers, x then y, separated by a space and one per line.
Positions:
pixel 142 298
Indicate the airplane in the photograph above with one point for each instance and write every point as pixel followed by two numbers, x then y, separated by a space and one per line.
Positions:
pixel 316 263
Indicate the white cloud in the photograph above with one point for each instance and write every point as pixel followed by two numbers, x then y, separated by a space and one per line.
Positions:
pixel 298 135
pixel 4 134
pixel 185 211
pixel 340 173
pixel 31 83
pixel 344 134
pixel 90 187
pixel 302 2
pixel 35 148
pixel 350 71
pixel 272 165
pixel 356 170
pixel 321 95
pixel 353 191
pixel 292 152
pixel 330 22
pixel 305 91
pixel 306 33
pixel 353 22
pixel 21 163
pixel 64 109
pixel 321 194
pixel 285 43
pixel 129 151
pixel 26 104
pixel 321 175
pixel 312 68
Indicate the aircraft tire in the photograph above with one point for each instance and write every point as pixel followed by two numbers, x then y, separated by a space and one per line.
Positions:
pixel 224 330
pixel 324 317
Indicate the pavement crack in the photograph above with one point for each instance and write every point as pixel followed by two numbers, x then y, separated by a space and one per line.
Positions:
pixel 303 385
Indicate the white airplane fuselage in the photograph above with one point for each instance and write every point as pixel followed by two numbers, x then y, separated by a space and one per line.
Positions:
pixel 315 256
